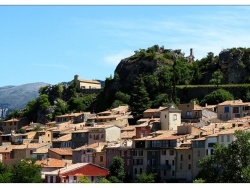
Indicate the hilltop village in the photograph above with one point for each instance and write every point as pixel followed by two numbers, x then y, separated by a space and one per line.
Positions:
pixel 168 140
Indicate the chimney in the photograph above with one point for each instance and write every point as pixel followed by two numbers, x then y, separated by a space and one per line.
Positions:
pixel 48 162
pixel 66 165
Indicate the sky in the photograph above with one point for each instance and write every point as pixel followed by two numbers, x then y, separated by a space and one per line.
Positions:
pixel 52 43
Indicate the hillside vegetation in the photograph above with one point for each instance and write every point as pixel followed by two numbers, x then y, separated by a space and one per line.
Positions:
pixel 151 78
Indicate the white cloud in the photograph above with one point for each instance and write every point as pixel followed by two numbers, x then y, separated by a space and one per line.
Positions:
pixel 114 59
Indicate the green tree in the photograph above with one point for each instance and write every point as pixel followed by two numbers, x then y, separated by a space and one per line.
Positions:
pixel 117 173
pixel 140 100
pixel 61 107
pixel 228 164
pixel 145 178
pixel 43 102
pixel 26 171
pixel 217 96
pixel 30 110
pixel 216 78
pixel 84 179
pixel 5 173
pixel 200 180
pixel 102 180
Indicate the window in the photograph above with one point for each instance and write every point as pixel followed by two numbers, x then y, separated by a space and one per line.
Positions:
pixel 235 110
pixel 206 151
pixel 198 153
pixel 153 152
pixel 189 157
pixel 228 138
pixel 172 172
pixel 140 152
pixel 175 117
pixel 166 162
pixel 140 170
pixel 165 116
pixel 128 162
pixel 180 165
pixel 171 152
pixel 164 152
pixel 189 114
pixel 226 109
pixel 222 138
pixel 153 162
pixel 212 151
pixel 135 170
pixel 189 166
pixel 135 153
pixel 165 173
pixel 101 158
pixel 90 136
pixel 173 162
pixel 181 157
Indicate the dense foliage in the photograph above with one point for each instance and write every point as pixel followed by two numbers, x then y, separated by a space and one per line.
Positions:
pixel 147 79
pixel 116 169
pixel 24 171
pixel 229 164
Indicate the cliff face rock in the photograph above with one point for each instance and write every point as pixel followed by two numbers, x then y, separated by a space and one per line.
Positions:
pixel 233 65
pixel 17 97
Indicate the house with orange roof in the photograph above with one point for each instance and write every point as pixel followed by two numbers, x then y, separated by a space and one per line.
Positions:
pixel 73 117
pixel 60 153
pixel 190 112
pixel 49 165
pixel 93 153
pixel 104 133
pixel 233 109
pixel 62 142
pixel 128 133
pixel 10 125
pixel 86 84
pixel 26 150
pixel 40 154
pixel 152 113
pixel 72 173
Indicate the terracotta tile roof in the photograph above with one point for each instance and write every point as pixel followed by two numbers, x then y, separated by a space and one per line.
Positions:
pixel 89 81
pixel 128 128
pixel 31 145
pixel 101 126
pixel 64 138
pixel 70 115
pixel 61 151
pixel 11 120
pixel 40 151
pixel 152 110
pixel 128 134
pixel 234 103
pixel 51 163
pixel 197 107
pixel 92 146
pixel 7 149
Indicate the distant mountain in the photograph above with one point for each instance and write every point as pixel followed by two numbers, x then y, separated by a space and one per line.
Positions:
pixel 16 97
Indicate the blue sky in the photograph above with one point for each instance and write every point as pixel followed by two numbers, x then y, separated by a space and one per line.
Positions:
pixel 53 43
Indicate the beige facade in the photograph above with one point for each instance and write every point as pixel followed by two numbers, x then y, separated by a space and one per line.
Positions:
pixel 104 133
pixel 190 111
pixel 170 118
pixel 184 164
pixel 87 84
pixel 198 153
pixel 10 125
pixel 232 109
